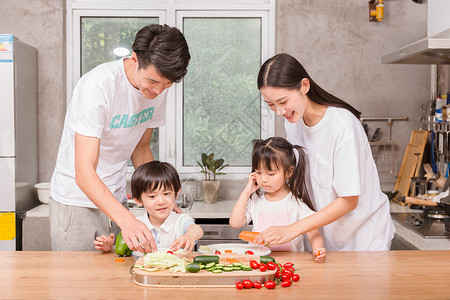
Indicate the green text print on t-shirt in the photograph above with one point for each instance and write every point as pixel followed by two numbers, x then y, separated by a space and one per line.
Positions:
pixel 123 121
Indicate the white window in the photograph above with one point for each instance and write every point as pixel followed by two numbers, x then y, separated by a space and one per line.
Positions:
pixel 217 106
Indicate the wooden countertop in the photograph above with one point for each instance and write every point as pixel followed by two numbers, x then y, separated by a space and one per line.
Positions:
pixel 345 275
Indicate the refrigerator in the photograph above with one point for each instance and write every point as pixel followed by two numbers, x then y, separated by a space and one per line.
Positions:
pixel 18 137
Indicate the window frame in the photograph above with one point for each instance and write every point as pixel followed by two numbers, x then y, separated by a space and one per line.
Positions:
pixel 172 12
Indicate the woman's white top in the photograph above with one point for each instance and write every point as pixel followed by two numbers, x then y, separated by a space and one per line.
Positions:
pixel 340 164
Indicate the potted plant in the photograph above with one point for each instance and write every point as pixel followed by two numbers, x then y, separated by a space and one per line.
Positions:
pixel 211 168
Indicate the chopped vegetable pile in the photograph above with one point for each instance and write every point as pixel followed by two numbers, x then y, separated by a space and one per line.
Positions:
pixel 160 261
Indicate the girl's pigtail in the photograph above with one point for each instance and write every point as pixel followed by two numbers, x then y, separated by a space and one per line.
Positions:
pixel 297 182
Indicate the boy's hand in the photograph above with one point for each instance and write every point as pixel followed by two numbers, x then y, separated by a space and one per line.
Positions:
pixel 104 243
pixel 187 241
pixel 320 255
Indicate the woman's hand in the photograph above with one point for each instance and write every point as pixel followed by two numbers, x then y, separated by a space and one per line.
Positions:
pixel 276 235
pixel 320 255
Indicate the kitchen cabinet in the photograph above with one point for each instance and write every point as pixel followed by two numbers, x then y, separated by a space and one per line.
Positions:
pixel 345 275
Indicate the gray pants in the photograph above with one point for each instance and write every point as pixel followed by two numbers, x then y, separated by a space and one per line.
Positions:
pixel 74 228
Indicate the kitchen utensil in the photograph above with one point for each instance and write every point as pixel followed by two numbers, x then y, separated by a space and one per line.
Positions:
pixel 237 248
pixel 375 134
pixel 391 194
pixel 444 204
pixel 164 278
pixel 418 186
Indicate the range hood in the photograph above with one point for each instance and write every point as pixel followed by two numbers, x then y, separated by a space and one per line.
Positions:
pixel 430 51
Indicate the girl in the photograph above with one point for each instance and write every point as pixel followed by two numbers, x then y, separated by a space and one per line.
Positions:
pixel 284 200
pixel 344 184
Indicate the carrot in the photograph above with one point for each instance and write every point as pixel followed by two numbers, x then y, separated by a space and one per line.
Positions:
pixel 228 251
pixel 248 236
pixel 119 260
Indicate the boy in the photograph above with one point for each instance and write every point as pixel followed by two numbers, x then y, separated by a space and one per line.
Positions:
pixel 155 185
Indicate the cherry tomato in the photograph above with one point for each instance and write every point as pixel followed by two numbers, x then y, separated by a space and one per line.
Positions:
pixel 296 277
pixel 217 252
pixel 271 265
pixel 257 285
pixel 270 284
pixel 286 283
pixel 262 267
pixel 285 277
pixel 287 265
pixel 278 274
pixel 170 252
pixel 289 272
pixel 249 252
pixel 254 264
pixel 247 284
pixel 239 285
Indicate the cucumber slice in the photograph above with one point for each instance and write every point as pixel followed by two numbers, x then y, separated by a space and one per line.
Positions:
pixel 217 271
pixel 237 264
pixel 227 269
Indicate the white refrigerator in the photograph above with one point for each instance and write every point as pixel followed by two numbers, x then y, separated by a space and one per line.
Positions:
pixel 18 137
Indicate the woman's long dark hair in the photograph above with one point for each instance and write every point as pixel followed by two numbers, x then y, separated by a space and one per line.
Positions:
pixel 285 71
pixel 277 152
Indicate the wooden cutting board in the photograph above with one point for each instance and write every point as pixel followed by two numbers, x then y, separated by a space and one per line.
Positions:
pixel 164 278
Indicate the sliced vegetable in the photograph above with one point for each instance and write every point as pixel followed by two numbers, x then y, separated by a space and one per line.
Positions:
pixel 160 261
pixel 266 259
pixel 119 260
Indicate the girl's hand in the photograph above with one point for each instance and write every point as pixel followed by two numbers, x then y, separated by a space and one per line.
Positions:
pixel 104 243
pixel 252 185
pixel 276 235
pixel 320 255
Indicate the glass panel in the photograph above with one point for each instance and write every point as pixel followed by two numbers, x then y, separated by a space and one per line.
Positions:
pixel 100 36
pixel 221 102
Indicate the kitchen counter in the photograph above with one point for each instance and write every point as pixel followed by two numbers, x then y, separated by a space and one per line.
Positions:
pixel 345 275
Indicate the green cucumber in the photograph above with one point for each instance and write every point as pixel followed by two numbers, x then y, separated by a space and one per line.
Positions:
pixel 227 269
pixel 236 268
pixel 217 271
pixel 264 259
pixel 246 268
pixel 193 268
pixel 209 265
pixel 237 264
pixel 206 259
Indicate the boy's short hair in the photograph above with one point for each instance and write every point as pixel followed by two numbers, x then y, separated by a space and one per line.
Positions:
pixel 165 47
pixel 154 175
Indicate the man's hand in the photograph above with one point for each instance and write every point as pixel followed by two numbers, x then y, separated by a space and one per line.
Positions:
pixel 137 236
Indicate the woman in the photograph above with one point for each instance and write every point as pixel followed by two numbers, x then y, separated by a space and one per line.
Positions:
pixel 343 180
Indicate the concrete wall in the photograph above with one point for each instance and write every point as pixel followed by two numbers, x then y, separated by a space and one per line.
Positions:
pixel 333 39
pixel 41 24
pixel 341 51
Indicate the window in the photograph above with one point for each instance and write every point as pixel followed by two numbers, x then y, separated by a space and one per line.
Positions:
pixel 217 107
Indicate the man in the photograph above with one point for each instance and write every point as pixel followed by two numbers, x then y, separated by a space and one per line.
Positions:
pixel 110 119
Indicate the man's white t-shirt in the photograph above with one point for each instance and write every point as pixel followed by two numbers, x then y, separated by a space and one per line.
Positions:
pixel 105 106
pixel 286 211
pixel 175 226
pixel 341 164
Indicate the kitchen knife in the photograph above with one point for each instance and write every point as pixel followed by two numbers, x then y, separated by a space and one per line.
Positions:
pixel 375 135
